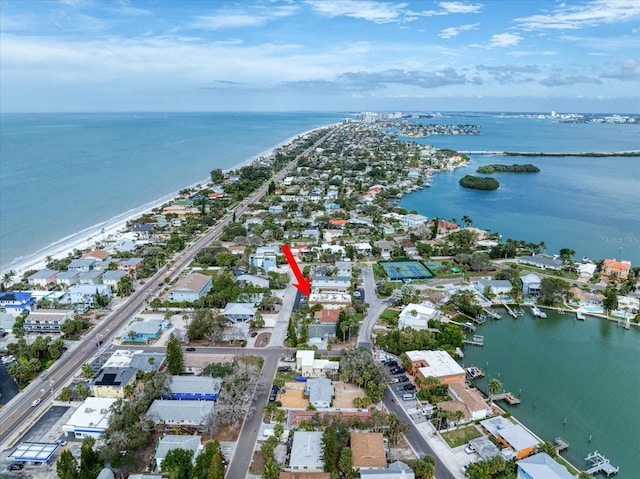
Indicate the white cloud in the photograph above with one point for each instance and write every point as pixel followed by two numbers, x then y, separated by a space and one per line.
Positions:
pixel 455 31
pixel 377 12
pixel 224 19
pixel 570 16
pixel 459 7
pixel 528 53
pixel 502 40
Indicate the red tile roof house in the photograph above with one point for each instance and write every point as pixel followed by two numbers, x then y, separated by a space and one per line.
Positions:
pixel 619 269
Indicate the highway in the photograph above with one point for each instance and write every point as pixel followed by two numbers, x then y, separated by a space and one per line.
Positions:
pixel 18 414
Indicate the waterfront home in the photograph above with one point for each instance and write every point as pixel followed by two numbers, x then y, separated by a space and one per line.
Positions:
pixel 496 286
pixel 319 391
pixel 472 399
pixel 110 383
pixel 542 466
pixel 131 266
pixel 90 419
pixel 86 293
pixel 437 364
pixel 368 450
pixel 142 231
pixel 511 435
pixel 586 270
pixel 416 316
pixel 111 278
pixel 97 254
pixel 413 220
pixel 531 284
pixel 306 451
pixel 16 303
pixel 170 442
pixel 46 320
pixel 615 269
pixel 542 262
pixel 143 331
pixel 240 311
pixel 180 413
pixel 190 288
pixel 67 278
pixel 82 265
pixel 585 298
pixel 43 278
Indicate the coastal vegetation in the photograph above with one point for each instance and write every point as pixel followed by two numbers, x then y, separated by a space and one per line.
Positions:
pixel 31 358
pixel 515 168
pixel 447 337
pixel 479 182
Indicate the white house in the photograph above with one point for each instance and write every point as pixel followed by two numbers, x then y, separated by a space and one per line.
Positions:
pixel 185 413
pixel 190 288
pixel 306 451
pixel 416 316
pixel 90 419
pixel 171 441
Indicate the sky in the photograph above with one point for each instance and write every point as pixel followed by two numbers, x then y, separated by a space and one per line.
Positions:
pixel 320 55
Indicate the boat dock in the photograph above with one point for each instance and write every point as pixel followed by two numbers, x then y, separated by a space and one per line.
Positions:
pixel 477 340
pixel 469 326
pixel 509 397
pixel 579 316
pixel 491 314
pixel 626 324
pixel 474 372
pixel 560 444
pixel 600 464
pixel 536 312
pixel 509 310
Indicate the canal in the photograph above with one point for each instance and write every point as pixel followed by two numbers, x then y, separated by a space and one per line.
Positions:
pixel 576 379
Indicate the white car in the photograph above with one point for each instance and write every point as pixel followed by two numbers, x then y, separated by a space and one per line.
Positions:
pixel 36 402
pixel 469 449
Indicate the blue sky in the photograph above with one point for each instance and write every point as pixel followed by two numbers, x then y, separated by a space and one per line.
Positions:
pixel 338 55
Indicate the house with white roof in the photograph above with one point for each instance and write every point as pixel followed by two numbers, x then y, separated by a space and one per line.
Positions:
pixel 46 320
pixel 90 419
pixel 416 316
pixel 86 293
pixel 531 284
pixel 496 286
pixel 413 220
pixel 306 451
pixel 82 265
pixel 183 413
pixel 511 435
pixel 437 364
pixel 171 441
pixel 395 470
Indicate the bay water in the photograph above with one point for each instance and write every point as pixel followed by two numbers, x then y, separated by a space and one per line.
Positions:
pixel 586 373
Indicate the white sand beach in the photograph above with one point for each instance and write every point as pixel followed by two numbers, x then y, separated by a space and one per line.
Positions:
pixel 111 229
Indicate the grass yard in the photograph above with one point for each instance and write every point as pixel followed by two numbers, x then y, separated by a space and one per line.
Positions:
pixel 460 436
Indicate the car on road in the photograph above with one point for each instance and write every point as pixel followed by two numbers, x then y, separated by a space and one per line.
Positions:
pixel 189 349
pixel 16 466
pixel 36 402
pixel 254 334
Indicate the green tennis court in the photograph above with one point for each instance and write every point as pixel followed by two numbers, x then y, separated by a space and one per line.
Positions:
pixel 403 269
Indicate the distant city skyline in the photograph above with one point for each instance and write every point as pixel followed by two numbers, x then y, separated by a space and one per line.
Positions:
pixel 327 55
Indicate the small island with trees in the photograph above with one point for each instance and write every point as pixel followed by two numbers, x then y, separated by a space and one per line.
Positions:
pixel 479 182
pixel 498 168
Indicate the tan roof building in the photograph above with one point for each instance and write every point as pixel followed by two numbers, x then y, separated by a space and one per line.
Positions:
pixel 368 450
pixel 620 269
pixel 437 364
pixel 471 398
pixel 98 254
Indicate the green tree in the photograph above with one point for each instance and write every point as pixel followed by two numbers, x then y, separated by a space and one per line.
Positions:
pixel 425 468
pixel 494 386
pixel 292 337
pixel 87 372
pixel 552 290
pixel 175 357
pixel 67 466
pixel 271 470
pixel 90 461
pixel 268 447
pixel 66 394
pixel 549 448
pixel 124 286
pixel 610 301
pixel 330 452
pixel 177 464
pixel 345 463
pixel 204 461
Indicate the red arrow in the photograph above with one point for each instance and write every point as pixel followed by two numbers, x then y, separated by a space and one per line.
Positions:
pixel 304 284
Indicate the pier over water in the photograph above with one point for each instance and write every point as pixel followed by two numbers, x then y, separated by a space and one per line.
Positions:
pixel 600 464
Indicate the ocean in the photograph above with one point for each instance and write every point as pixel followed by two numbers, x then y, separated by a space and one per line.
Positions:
pixel 65 173
pixel 587 204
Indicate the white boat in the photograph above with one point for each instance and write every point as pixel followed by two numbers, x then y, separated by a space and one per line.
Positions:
pixel 579 316
pixel 542 314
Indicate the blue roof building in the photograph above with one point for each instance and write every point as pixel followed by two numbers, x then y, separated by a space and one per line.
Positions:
pixel 17 302
pixel 194 388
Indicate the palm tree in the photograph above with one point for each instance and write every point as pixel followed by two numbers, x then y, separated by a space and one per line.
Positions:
pixel 494 386
pixel 152 362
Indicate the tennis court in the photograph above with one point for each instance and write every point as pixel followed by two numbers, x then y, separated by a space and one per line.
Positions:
pixel 401 270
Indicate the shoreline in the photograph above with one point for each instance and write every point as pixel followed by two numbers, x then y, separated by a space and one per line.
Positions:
pixel 113 226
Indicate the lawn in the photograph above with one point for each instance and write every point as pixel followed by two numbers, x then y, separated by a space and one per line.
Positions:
pixel 460 436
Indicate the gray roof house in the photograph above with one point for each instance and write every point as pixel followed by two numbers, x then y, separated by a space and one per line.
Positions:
pixel 541 262
pixel 395 470
pixel 43 277
pixel 144 331
pixel 189 413
pixel 497 286
pixel 252 279
pixel 82 265
pixel 320 392
pixel 112 277
pixel 67 278
pixel 91 277
pixel 542 466
pixel 141 361
pixel 194 388
pixel 531 284
pixel 240 311
pixel 306 451
pixel 171 441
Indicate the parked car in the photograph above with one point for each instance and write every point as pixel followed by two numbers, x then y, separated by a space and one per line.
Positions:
pixel 409 387
pixel 284 369
pixel 403 379
pixel 391 364
pixel 469 449
pixel 16 466
pixel 189 349
pixel 254 334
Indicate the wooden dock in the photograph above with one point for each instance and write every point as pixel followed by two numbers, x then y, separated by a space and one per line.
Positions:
pixel 509 397
pixel 476 341
pixel 600 464
pixel 560 444
pixel 509 310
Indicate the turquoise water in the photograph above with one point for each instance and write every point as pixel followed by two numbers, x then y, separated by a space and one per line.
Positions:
pixel 587 204
pixel 587 372
pixel 63 173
